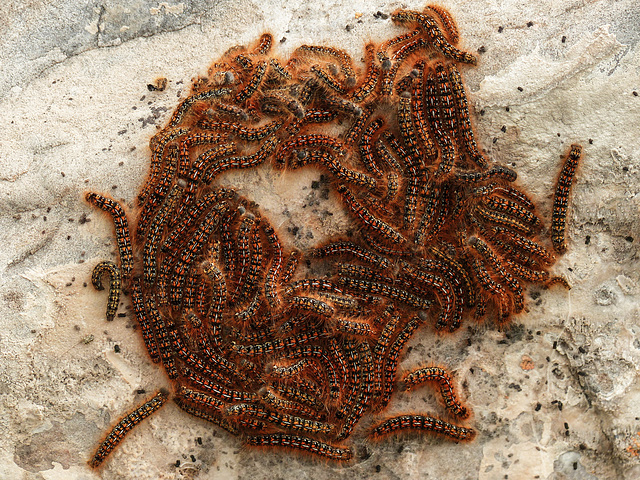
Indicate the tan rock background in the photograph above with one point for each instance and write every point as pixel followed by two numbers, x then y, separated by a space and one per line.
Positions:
pixel 554 397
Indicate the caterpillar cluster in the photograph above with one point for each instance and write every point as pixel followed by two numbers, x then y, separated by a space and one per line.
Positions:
pixel 251 342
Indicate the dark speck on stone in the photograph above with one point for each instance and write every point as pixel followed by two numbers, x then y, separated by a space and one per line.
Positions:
pixel 529 24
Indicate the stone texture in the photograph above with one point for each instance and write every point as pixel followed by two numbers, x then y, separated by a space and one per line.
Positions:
pixel 554 397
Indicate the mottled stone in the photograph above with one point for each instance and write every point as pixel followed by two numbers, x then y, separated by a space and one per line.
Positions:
pixel 76 114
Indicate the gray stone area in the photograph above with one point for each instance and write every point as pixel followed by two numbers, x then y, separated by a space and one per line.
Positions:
pixel 555 396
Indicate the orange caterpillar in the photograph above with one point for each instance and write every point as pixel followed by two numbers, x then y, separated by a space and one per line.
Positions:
pixel 442 235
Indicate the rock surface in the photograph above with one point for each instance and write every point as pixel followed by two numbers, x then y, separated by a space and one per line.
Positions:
pixel 554 397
